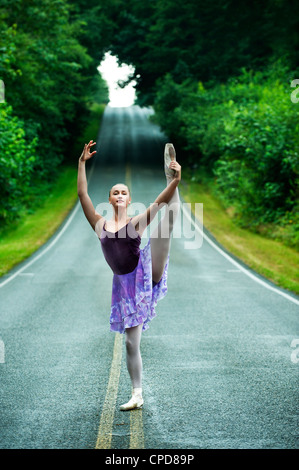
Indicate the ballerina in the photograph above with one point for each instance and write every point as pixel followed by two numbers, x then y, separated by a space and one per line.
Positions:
pixel 140 275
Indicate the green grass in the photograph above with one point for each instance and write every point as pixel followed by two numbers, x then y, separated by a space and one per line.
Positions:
pixel 270 258
pixel 33 230
pixel 35 227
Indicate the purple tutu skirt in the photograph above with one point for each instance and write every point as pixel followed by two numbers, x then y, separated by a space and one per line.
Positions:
pixel 134 297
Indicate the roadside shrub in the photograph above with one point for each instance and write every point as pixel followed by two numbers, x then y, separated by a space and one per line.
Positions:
pixel 245 133
pixel 17 160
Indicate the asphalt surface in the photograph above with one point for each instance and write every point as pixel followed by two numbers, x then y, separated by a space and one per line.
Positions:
pixel 220 360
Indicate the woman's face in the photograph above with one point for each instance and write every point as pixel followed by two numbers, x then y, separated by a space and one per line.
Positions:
pixel 119 196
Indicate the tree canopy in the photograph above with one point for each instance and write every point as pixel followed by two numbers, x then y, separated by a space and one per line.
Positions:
pixel 217 73
pixel 206 41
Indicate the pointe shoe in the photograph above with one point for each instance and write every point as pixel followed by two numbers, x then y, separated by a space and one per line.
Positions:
pixel 136 402
pixel 169 156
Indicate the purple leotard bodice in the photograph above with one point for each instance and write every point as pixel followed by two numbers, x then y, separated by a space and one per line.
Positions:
pixel 121 249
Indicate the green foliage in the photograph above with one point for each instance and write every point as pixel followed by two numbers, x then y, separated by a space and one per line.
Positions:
pixel 99 90
pixel 44 79
pixel 246 132
pixel 50 81
pixel 206 41
pixel 16 164
pixel 257 171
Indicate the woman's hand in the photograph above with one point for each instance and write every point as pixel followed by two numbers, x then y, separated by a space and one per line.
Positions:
pixel 174 165
pixel 86 155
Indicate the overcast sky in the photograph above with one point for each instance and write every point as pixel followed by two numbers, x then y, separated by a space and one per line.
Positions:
pixel 112 72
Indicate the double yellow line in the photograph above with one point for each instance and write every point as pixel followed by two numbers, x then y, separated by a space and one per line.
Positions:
pixel 104 438
pixel 107 417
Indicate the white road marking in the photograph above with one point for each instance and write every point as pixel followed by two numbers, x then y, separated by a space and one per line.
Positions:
pixel 55 240
pixel 239 266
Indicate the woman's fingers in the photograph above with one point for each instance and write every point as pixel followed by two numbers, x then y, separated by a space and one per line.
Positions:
pixel 91 143
pixel 86 151
pixel 88 146
pixel 174 165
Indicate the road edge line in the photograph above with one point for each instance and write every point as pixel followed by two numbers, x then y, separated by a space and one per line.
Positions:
pixel 54 241
pixel 244 270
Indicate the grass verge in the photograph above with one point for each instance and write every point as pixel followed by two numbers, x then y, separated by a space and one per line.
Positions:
pixel 32 230
pixel 270 258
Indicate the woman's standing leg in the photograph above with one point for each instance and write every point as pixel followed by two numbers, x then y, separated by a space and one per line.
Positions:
pixel 134 365
pixel 161 236
pixel 134 361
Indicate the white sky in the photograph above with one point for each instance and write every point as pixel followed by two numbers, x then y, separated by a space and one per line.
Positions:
pixel 112 72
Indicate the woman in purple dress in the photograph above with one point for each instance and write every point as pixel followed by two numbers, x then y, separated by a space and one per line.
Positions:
pixel 140 275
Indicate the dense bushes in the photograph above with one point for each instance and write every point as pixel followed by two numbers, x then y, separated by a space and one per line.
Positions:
pixel 246 133
pixel 50 81
pixel 16 163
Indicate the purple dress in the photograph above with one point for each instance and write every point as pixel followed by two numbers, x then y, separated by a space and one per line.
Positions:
pixel 134 294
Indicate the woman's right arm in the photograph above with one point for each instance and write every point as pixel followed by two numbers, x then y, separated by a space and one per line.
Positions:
pixel 92 216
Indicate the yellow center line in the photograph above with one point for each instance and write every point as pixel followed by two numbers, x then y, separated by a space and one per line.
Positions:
pixel 136 430
pixel 136 422
pixel 107 416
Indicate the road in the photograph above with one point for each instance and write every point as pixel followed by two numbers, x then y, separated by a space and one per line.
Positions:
pixel 220 359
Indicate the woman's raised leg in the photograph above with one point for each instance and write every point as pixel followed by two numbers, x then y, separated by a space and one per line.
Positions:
pixel 161 236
